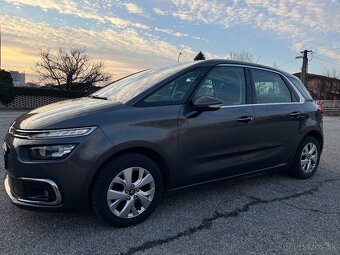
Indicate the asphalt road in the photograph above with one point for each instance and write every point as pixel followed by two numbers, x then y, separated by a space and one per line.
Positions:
pixel 271 214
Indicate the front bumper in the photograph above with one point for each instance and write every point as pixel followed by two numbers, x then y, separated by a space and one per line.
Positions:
pixel 54 185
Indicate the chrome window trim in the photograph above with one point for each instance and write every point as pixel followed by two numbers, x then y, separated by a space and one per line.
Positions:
pixel 301 98
pixel 262 104
pixel 21 201
pixel 13 131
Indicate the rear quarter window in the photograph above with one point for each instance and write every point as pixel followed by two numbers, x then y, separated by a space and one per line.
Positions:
pixel 302 89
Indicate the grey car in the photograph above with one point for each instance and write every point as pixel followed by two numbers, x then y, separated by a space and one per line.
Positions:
pixel 121 149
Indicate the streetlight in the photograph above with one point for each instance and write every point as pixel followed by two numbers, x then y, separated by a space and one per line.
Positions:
pixel 179 56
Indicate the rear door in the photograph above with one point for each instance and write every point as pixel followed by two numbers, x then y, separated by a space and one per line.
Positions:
pixel 278 117
pixel 215 144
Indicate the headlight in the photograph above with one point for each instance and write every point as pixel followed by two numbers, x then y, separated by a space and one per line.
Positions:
pixel 53 133
pixel 51 151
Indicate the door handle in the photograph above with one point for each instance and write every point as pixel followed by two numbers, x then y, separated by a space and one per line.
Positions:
pixel 295 114
pixel 245 119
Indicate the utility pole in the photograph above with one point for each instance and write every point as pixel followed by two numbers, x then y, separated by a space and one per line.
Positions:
pixel 304 69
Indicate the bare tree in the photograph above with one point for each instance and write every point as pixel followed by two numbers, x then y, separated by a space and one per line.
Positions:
pixel 332 73
pixel 70 69
pixel 240 55
pixel 333 83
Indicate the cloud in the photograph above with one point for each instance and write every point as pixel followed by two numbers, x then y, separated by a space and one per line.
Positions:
pixel 132 8
pixel 62 6
pixel 179 34
pixel 159 11
pixel 123 51
pixel 85 10
pixel 123 23
pixel 199 38
pixel 329 53
pixel 170 32
pixel 17 58
pixel 298 46
pixel 312 14
pixel 310 23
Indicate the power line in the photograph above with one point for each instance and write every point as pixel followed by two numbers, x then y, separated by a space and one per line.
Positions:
pixel 321 56
pixel 320 60
pixel 286 63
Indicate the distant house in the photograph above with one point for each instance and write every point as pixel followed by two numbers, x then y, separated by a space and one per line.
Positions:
pixel 18 78
pixel 322 87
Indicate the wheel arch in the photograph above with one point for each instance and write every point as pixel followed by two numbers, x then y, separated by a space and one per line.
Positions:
pixel 143 150
pixel 317 135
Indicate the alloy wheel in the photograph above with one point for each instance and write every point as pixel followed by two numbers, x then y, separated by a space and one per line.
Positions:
pixel 131 192
pixel 309 157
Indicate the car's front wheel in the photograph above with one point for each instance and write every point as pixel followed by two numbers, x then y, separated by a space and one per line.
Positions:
pixel 127 190
pixel 307 158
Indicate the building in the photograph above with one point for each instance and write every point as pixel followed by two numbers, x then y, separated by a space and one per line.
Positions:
pixel 322 87
pixel 18 78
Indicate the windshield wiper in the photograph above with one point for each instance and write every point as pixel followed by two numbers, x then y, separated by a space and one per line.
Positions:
pixel 98 97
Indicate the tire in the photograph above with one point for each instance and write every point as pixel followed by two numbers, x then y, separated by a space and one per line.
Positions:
pixel 306 164
pixel 130 202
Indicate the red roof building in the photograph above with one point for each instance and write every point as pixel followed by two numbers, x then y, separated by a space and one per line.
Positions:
pixel 322 87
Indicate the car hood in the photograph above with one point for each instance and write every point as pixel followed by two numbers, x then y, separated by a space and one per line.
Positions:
pixel 65 114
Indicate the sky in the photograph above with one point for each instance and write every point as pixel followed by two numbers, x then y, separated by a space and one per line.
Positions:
pixel 133 35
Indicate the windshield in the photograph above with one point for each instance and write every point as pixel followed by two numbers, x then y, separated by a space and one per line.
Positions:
pixel 129 87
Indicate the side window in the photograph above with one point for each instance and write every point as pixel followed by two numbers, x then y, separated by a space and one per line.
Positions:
pixel 174 91
pixel 303 90
pixel 270 88
pixel 226 83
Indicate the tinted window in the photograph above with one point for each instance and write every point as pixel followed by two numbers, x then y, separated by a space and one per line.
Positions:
pixel 302 89
pixel 176 90
pixel 226 83
pixel 270 88
pixel 127 88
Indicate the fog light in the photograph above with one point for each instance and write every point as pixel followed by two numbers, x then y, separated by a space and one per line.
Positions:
pixel 51 151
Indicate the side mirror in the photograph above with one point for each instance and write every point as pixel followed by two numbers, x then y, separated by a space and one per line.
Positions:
pixel 207 103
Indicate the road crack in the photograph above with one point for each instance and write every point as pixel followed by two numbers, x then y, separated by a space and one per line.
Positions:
pixel 206 223
pixel 311 209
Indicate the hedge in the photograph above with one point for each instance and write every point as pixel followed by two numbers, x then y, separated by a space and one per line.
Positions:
pixel 6 87
pixel 27 91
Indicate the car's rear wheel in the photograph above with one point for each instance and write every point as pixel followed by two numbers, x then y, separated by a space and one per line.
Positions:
pixel 307 158
pixel 127 190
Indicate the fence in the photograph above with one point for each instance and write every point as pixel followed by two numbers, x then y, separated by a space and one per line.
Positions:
pixel 30 102
pixel 29 98
pixel 330 106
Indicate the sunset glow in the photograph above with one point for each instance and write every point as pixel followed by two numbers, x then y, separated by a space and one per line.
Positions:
pixel 134 35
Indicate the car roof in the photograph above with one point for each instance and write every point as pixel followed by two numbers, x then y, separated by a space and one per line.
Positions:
pixel 213 62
